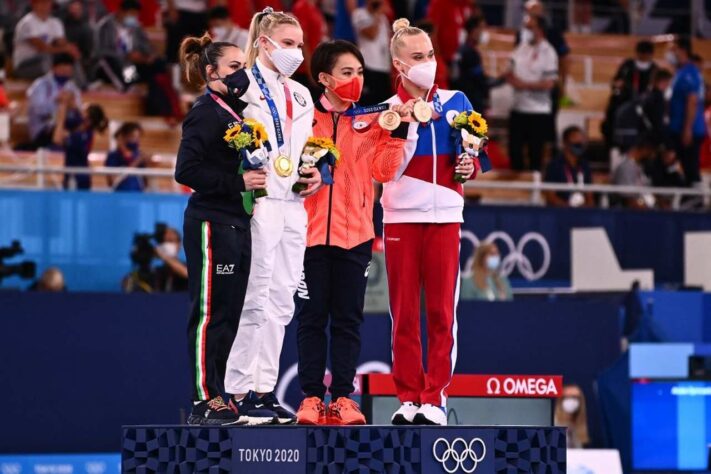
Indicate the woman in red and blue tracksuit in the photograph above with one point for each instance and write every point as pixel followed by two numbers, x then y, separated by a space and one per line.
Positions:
pixel 422 218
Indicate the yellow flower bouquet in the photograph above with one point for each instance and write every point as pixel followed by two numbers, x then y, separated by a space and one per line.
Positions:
pixel 250 139
pixel 470 130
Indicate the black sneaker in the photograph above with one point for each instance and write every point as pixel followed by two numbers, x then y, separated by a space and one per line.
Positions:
pixel 214 412
pixel 254 409
pixel 284 416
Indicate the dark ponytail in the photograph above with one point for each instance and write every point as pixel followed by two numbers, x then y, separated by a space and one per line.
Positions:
pixel 198 53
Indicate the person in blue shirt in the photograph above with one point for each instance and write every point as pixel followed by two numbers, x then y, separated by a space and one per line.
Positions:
pixel 127 155
pixel 76 138
pixel 571 167
pixel 686 109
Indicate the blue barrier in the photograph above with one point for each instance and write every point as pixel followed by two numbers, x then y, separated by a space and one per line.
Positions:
pixel 83 365
pixel 89 235
pixel 61 463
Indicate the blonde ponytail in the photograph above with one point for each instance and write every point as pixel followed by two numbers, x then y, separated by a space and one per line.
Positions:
pixel 263 24
pixel 401 29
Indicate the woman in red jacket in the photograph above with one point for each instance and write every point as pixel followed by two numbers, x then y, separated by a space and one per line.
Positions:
pixel 340 233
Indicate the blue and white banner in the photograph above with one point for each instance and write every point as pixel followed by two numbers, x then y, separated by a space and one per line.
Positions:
pixel 60 464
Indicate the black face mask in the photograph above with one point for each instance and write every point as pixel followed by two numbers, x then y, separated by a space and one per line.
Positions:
pixel 577 149
pixel 237 83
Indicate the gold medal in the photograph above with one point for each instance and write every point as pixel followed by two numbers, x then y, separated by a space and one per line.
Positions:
pixel 283 166
pixel 422 111
pixel 389 120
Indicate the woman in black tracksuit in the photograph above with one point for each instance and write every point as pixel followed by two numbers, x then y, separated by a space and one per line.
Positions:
pixel 216 231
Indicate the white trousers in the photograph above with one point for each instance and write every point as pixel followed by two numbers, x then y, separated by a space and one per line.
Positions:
pixel 278 245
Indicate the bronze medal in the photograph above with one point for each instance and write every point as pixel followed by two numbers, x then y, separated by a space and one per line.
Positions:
pixel 422 111
pixel 389 120
pixel 283 166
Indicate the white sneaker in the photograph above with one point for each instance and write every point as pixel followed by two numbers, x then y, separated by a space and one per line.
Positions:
pixel 431 415
pixel 405 414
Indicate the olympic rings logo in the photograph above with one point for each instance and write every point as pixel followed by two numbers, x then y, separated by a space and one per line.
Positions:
pixel 458 455
pixel 513 255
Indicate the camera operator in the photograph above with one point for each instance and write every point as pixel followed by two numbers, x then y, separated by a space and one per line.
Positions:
pixel 163 244
pixel 173 274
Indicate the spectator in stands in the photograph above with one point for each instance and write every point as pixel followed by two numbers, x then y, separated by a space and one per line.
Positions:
pixel 223 29
pixel 185 18
pixel 44 96
pixel 313 25
pixel 172 275
pixel 571 412
pixel 631 172
pixel 654 107
pixel 51 281
pixel 38 36
pixel 533 73
pixel 686 109
pixel 633 79
pixel 127 155
pixel 666 172
pixel 571 167
pixel 78 31
pixel 124 56
pixel 473 80
pixel 74 132
pixel 487 282
pixel 554 36
pixel 372 28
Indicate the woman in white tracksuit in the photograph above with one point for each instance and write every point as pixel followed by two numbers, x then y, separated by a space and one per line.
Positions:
pixel 279 222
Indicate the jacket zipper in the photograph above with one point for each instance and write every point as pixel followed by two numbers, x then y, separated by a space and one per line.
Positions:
pixel 434 169
pixel 334 117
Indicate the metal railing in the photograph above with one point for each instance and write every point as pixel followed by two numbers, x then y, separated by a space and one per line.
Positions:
pixel 535 188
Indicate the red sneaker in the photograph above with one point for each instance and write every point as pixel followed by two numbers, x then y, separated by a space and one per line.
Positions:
pixel 311 412
pixel 345 411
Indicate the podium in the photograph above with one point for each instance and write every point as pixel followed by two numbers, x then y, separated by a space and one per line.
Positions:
pixel 498 424
pixel 325 449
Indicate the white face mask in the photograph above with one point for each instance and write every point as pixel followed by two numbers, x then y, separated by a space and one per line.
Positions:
pixel 493 262
pixel 526 36
pixel 671 58
pixel 220 33
pixel 422 74
pixel 570 405
pixel 169 249
pixel 286 60
pixel 484 38
pixel 643 65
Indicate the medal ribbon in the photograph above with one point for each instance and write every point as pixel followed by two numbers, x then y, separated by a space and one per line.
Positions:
pixel 227 108
pixel 280 135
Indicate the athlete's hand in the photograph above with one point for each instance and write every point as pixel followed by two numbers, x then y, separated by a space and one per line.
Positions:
pixel 255 179
pixel 465 167
pixel 313 181
pixel 405 110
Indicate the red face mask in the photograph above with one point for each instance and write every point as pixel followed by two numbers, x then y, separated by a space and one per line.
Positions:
pixel 348 90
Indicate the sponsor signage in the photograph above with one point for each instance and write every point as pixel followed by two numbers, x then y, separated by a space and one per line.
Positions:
pixel 456 451
pixel 264 451
pixel 489 386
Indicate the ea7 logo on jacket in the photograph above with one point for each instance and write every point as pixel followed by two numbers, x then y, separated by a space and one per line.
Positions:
pixel 227 269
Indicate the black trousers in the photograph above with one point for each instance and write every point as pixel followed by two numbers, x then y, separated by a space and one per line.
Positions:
pixel 218 258
pixel 335 286
pixel 531 131
pixel 689 157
